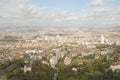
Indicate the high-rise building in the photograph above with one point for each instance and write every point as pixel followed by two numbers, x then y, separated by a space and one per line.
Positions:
pixel 102 39
pixel 46 38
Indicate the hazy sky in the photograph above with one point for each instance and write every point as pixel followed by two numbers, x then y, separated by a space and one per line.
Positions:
pixel 61 13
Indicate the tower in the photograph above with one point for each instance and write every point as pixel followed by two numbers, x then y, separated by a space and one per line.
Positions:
pixel 46 38
pixel 102 39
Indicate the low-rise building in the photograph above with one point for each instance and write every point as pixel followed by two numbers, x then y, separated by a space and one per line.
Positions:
pixel 67 60
pixel 115 65
pixel 103 52
pixel 87 52
pixel 27 67
pixel 74 69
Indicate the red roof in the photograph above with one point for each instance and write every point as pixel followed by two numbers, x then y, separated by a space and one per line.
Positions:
pixel 28 65
pixel 116 63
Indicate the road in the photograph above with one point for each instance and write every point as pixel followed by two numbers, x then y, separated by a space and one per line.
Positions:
pixel 56 74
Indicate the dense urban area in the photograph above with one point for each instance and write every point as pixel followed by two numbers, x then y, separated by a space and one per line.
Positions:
pixel 59 54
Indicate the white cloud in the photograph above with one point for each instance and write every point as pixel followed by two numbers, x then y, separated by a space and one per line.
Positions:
pixel 96 3
pixel 19 12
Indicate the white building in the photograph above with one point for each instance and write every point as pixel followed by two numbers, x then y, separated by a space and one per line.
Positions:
pixel 27 67
pixel 102 41
pixel 103 52
pixel 45 62
pixel 115 65
pixel 67 60
pixel 53 61
pixel 86 53
pixel 58 38
pixel 46 38
pixel 63 53
pixel 118 43
pixel 74 69
pixel 91 46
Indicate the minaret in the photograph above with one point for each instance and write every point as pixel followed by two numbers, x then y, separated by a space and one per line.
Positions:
pixel 102 39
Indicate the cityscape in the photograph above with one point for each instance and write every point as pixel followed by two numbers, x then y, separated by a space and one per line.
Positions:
pixel 59 40
pixel 60 54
